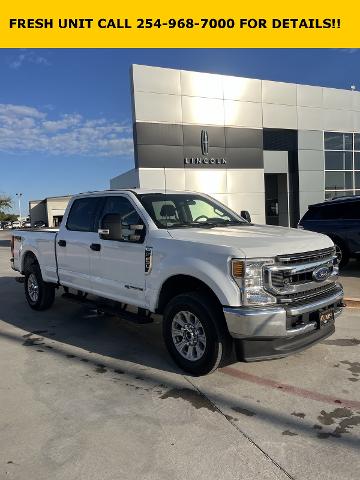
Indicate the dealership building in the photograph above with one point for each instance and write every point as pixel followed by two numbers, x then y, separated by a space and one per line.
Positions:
pixel 271 148
pixel 49 210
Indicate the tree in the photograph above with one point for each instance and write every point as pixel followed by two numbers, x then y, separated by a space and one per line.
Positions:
pixel 8 217
pixel 5 202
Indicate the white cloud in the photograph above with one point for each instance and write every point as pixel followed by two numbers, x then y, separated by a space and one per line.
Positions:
pixel 25 129
pixel 28 56
pixel 348 50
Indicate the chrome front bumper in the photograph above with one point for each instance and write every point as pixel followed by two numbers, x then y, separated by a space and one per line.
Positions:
pixel 272 322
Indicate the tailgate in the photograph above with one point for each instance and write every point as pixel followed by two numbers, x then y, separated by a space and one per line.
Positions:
pixel 15 245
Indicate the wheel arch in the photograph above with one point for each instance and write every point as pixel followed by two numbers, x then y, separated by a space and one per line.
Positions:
pixel 181 283
pixel 27 259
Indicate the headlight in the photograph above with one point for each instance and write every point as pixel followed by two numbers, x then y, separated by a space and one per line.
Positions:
pixel 248 274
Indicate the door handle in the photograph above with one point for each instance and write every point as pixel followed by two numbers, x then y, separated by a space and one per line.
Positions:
pixel 62 243
pixel 96 247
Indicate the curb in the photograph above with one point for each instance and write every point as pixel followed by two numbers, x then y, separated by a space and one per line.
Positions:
pixel 352 302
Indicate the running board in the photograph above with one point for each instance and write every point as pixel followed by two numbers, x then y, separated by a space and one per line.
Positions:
pixel 110 308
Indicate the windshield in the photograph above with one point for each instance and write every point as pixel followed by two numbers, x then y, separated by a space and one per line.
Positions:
pixel 187 210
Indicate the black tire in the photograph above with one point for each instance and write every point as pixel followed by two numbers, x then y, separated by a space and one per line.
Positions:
pixel 45 291
pixel 218 345
pixel 341 252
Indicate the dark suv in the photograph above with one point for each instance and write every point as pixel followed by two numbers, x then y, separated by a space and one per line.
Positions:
pixel 338 218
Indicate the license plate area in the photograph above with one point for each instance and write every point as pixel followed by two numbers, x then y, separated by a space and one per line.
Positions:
pixel 326 317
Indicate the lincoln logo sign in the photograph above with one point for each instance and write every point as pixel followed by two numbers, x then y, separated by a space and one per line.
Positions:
pixel 204 142
pixel 204 160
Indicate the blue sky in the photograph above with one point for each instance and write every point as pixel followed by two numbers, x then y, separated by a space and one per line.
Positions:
pixel 65 114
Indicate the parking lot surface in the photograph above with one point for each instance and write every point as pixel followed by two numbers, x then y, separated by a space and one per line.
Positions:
pixel 86 396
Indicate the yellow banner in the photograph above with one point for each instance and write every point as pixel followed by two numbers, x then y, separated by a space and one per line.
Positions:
pixel 186 23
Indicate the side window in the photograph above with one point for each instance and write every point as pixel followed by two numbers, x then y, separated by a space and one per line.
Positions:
pixel 129 218
pixel 332 212
pixel 82 214
pixel 352 211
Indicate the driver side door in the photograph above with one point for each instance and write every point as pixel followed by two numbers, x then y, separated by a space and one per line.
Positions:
pixel 118 267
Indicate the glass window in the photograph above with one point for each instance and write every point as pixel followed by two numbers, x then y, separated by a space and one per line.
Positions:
pixel 357 179
pixel 338 180
pixel 82 214
pixel 124 208
pixel 357 141
pixel 338 161
pixel 356 161
pixel 332 211
pixel 335 194
pixel 187 210
pixel 351 210
pixel 348 141
pixel 338 141
pixel 129 217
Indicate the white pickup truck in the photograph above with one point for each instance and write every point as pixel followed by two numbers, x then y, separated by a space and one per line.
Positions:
pixel 221 283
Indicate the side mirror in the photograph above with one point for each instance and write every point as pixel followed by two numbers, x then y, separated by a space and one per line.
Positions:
pixel 246 215
pixel 111 228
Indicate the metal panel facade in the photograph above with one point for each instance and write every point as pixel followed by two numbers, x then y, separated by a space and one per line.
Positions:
pixel 211 133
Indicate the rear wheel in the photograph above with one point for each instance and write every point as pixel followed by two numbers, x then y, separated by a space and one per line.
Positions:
pixel 39 294
pixel 195 334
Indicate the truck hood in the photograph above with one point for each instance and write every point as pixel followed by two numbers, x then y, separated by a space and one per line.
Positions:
pixel 256 240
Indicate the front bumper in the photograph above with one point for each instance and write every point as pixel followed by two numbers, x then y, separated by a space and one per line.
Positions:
pixel 278 331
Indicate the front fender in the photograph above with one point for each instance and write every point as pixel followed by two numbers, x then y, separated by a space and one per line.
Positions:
pixel 217 279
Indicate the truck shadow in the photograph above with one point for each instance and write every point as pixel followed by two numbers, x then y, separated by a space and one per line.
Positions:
pixel 82 327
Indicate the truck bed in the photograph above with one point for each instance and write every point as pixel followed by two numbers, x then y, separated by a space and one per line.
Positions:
pixel 39 242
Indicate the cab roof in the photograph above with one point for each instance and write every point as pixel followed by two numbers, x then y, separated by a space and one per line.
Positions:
pixel 135 191
pixel 337 200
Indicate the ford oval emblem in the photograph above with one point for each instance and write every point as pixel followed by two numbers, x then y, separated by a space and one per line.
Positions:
pixel 320 274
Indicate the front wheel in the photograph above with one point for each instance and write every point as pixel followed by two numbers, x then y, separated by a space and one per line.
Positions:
pixel 39 294
pixel 341 253
pixel 195 334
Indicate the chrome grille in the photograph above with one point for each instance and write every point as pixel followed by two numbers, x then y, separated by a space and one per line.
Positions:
pixel 283 279
pixel 292 279
pixel 306 257
pixel 301 296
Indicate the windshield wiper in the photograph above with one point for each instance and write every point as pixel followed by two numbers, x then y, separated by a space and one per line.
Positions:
pixel 192 225
pixel 211 224
pixel 235 222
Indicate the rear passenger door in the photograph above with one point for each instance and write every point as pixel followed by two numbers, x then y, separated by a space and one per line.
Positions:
pixel 74 243
pixel 118 268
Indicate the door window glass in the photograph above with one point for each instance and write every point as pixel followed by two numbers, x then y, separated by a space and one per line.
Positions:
pixel 82 214
pixel 128 214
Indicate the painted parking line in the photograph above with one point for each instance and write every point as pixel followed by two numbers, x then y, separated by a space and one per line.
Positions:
pixel 291 389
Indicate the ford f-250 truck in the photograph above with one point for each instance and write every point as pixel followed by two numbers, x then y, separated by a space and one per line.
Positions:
pixel 218 280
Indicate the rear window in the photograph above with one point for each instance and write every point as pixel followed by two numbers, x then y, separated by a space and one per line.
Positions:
pixel 332 211
pixel 82 214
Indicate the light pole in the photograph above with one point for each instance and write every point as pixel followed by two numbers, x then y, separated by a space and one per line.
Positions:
pixel 19 195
